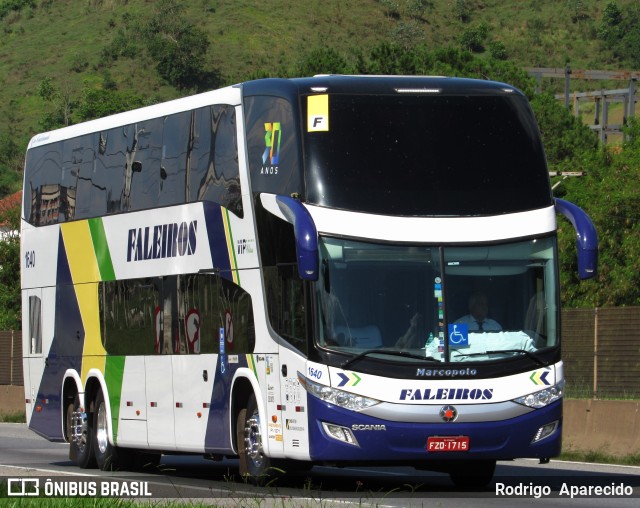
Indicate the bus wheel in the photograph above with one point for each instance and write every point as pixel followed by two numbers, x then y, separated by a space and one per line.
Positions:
pixel 79 431
pixel 105 452
pixel 473 474
pixel 253 463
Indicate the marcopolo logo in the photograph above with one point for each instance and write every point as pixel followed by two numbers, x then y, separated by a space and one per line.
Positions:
pixel 447 394
pixel 445 372
pixel 162 241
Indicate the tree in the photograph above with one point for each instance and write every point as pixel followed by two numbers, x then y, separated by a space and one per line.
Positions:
pixel 10 270
pixel 178 47
pixel 610 30
pixel 62 101
pixel 323 61
pixel 100 102
pixel 564 136
pixel 407 33
pixel 462 10
pixel 474 38
pixel 620 32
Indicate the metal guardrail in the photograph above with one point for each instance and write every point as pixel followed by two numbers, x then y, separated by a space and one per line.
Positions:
pixel 601 98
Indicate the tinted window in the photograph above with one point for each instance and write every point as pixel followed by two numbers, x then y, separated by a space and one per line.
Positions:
pixel 273 146
pixel 427 155
pixel 213 162
pixel 181 314
pixel 190 156
pixel 42 185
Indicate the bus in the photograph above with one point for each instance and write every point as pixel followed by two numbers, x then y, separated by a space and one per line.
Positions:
pixel 279 271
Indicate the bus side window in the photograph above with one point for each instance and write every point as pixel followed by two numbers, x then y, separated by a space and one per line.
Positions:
pixel 285 290
pixel 215 172
pixel 286 304
pixel 35 325
pixel 43 183
pixel 130 316
pixel 208 303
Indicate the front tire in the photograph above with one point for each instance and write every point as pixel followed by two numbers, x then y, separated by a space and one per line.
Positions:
pixel 254 464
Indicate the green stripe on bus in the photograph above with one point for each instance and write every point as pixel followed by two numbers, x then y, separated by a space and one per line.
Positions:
pixel 113 373
pixel 232 250
pixel 252 364
pixel 101 248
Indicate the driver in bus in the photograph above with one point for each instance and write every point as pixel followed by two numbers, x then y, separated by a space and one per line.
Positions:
pixel 477 320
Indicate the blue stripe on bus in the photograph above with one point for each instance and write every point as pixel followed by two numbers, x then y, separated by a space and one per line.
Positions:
pixel 400 441
pixel 220 255
pixel 217 437
pixel 65 353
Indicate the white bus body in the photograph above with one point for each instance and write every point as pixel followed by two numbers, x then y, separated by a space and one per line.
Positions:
pixel 278 270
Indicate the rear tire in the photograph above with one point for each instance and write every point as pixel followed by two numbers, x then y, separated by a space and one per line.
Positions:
pixel 105 452
pixel 80 450
pixel 254 464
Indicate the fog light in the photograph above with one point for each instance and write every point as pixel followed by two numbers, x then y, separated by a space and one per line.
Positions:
pixel 545 431
pixel 340 433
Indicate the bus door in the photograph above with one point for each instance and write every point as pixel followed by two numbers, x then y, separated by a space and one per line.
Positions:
pixel 269 377
pixel 294 416
pixel 33 359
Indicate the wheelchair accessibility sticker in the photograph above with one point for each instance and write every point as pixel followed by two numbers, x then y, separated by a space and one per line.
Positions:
pixel 459 335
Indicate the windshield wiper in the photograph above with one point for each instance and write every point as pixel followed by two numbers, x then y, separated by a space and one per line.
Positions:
pixel 529 354
pixel 392 352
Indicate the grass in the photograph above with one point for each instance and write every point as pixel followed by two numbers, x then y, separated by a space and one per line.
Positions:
pixel 599 457
pixel 64 39
pixel 17 417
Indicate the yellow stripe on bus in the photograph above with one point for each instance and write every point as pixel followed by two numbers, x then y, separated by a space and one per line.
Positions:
pixel 93 354
pixel 229 237
pixel 80 254
pixel 85 274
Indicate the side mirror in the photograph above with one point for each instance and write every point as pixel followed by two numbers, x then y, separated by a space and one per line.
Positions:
pixel 306 236
pixel 587 238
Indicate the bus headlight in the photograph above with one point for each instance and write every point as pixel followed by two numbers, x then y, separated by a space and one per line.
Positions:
pixel 543 397
pixel 337 397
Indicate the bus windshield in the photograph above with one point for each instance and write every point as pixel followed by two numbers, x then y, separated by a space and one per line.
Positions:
pixel 427 155
pixel 443 303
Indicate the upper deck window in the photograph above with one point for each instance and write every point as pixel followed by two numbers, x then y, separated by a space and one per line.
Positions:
pixel 426 155
pixel 171 160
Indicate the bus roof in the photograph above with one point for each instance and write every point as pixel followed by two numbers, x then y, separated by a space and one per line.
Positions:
pixel 342 84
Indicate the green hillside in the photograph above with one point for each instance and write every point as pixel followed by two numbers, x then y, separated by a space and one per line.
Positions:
pixel 90 43
pixel 67 61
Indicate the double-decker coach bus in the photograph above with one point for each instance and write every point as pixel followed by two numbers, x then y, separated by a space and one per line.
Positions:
pixel 285 270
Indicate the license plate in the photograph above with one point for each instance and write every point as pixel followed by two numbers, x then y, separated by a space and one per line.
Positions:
pixel 448 444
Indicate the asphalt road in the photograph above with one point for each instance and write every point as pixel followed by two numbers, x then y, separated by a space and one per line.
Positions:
pixel 23 454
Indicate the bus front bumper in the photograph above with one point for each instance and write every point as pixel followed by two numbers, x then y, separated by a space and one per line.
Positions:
pixel 340 435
